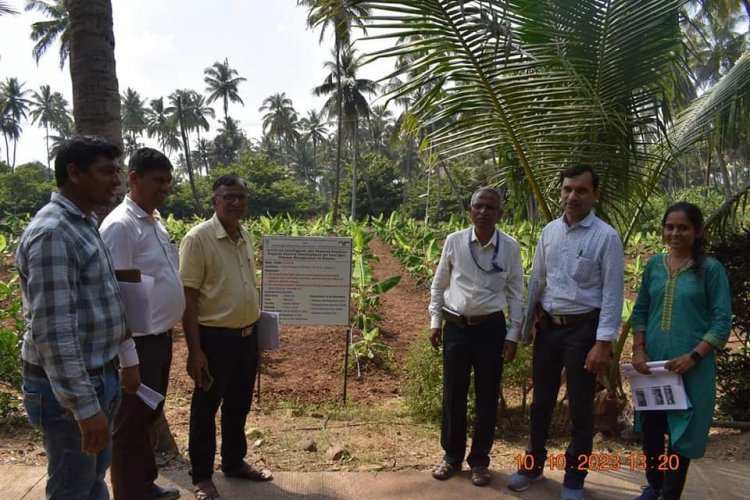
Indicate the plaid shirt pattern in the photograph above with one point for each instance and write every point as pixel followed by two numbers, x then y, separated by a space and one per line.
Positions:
pixel 72 304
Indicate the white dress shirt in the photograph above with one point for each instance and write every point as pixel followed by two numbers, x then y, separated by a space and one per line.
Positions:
pixel 583 267
pixel 138 240
pixel 460 285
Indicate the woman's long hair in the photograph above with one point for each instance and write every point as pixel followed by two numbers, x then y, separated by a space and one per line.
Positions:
pixel 695 216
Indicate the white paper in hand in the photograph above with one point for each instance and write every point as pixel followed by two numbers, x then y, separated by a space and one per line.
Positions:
pixel 268 331
pixel 149 396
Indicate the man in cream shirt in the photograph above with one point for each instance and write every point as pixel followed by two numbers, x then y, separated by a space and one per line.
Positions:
pixel 218 271
pixel 137 239
pixel 479 276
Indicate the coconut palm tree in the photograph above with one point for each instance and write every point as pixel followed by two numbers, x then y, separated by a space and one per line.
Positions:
pixel 341 16
pixel 347 95
pixel 280 122
pixel 161 125
pixel 49 109
pixel 182 111
pixel 96 96
pixel 6 9
pixel 315 130
pixel 222 83
pixel 133 114
pixel 46 33
pixel 14 107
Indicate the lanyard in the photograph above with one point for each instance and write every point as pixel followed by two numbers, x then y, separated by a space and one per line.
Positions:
pixel 495 268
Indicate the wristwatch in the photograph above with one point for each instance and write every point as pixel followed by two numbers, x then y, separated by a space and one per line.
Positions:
pixel 696 356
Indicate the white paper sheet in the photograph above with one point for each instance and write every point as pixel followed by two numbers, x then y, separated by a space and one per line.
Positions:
pixel 149 396
pixel 268 331
pixel 661 390
pixel 136 297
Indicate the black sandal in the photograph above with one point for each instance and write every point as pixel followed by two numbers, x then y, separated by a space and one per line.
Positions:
pixel 443 470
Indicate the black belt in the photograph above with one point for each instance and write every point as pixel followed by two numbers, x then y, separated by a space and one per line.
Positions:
pixel 108 367
pixel 461 320
pixel 569 319
pixel 234 333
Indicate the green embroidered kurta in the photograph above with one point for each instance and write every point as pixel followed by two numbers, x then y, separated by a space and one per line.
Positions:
pixel 677 312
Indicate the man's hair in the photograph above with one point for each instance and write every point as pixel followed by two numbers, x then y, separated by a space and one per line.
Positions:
pixel 576 170
pixel 487 189
pixel 228 180
pixel 148 159
pixel 82 151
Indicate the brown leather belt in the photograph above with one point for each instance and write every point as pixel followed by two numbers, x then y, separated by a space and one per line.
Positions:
pixel 569 319
pixel 463 321
pixel 38 371
pixel 229 332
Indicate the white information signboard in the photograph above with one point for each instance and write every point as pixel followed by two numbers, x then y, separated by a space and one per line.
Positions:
pixel 307 280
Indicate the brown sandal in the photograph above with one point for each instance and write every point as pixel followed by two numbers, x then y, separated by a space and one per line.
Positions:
pixel 443 470
pixel 247 471
pixel 480 476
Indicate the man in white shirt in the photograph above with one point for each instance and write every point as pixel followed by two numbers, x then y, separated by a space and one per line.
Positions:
pixel 137 239
pixel 479 276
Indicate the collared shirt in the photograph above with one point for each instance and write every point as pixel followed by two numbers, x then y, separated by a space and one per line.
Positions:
pixel 137 240
pixel 461 286
pixel 583 265
pixel 72 305
pixel 223 271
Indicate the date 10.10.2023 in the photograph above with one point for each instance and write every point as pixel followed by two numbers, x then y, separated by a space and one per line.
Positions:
pixel 601 462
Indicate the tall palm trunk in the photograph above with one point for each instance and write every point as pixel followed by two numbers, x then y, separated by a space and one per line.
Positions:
pixel 7 149
pixel 365 177
pixel 13 166
pixel 46 137
pixel 355 147
pixel 188 164
pixel 314 172
pixel 96 97
pixel 339 135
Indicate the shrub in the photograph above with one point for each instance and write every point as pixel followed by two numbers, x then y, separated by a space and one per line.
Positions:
pixel 733 365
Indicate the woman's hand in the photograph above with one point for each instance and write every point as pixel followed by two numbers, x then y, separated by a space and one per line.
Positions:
pixel 639 362
pixel 681 364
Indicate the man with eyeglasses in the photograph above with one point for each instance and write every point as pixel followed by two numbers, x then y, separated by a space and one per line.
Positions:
pixel 218 271
pixel 479 276
pixel 137 239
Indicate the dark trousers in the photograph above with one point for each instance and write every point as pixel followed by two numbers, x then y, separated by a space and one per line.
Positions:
pixel 555 348
pixel 133 463
pixel 233 363
pixel 479 347
pixel 671 478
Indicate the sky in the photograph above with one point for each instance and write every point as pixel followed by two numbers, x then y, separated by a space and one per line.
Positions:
pixel 164 45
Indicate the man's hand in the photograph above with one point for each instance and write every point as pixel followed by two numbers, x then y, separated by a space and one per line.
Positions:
pixel 681 364
pixel 509 351
pixel 639 362
pixel 599 357
pixel 435 337
pixel 130 378
pixel 197 363
pixel 94 433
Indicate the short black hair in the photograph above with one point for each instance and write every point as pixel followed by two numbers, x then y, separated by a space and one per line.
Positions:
pixel 147 159
pixel 82 150
pixel 578 169
pixel 228 180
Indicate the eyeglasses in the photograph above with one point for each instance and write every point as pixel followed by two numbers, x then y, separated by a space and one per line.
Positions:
pixel 231 197
pixel 481 206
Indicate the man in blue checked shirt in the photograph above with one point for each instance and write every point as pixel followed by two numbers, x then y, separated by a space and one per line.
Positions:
pixel 75 323
pixel 578 267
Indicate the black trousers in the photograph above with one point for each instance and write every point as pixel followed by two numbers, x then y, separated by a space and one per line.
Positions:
pixel 133 464
pixel 555 348
pixel 233 364
pixel 661 472
pixel 477 347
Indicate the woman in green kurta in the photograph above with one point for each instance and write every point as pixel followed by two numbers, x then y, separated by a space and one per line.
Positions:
pixel 682 314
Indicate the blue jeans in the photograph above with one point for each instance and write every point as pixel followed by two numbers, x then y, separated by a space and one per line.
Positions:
pixel 71 474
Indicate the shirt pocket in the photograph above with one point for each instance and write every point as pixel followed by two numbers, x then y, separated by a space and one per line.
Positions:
pixel 585 271
pixel 498 281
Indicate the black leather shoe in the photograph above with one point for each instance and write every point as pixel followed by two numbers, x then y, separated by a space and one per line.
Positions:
pixel 162 493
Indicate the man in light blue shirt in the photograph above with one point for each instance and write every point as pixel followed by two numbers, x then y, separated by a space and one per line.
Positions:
pixel 578 265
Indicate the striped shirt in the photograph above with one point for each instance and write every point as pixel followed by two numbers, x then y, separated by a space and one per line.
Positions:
pixel 461 286
pixel 583 266
pixel 72 306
